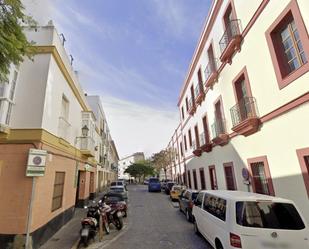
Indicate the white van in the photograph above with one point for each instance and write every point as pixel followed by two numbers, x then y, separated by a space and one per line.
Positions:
pixel 234 219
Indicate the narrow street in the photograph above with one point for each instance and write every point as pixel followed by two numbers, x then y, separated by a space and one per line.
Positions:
pixel 154 222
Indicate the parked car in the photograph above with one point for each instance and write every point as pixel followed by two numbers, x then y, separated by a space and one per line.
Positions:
pixel 119 183
pixel 175 192
pixel 120 190
pixel 163 183
pixel 168 187
pixel 154 185
pixel 234 219
pixel 186 199
pixel 146 181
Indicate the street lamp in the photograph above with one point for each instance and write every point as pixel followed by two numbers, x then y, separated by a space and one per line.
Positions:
pixel 85 130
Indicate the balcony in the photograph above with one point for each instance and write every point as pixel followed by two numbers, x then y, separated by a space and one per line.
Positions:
pixel 205 144
pixel 220 136
pixel 245 117
pixel 211 73
pixel 199 93
pixel 87 146
pixel 64 129
pixel 5 110
pixel 192 106
pixel 197 151
pixel 230 41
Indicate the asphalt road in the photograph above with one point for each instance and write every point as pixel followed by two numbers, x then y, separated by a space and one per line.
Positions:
pixel 154 222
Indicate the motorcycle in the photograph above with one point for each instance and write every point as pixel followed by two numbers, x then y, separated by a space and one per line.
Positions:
pixel 90 225
pixel 114 215
pixel 96 215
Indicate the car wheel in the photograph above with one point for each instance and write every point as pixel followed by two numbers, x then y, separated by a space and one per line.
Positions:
pixel 188 215
pixel 196 228
pixel 219 245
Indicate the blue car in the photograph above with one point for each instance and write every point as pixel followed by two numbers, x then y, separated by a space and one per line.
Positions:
pixel 154 185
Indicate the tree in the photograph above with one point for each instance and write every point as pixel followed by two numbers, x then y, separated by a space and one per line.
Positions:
pixel 13 42
pixel 140 169
pixel 163 159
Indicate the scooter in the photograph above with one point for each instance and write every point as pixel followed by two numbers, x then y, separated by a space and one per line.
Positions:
pixel 90 225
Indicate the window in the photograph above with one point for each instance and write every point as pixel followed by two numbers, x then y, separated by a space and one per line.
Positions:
pixel 58 190
pixel 187 104
pixel 192 93
pixel 189 178
pixel 303 158
pixel 229 176
pixel 185 139
pixel 13 86
pixel 8 114
pixel 190 138
pixel 269 215
pixel 2 88
pixel 181 150
pixel 65 108
pixel 213 177
pixel 182 113
pixel 199 76
pixel 199 200
pixel 195 179
pixel 261 179
pixel 215 206
pixel 287 42
pixel 202 177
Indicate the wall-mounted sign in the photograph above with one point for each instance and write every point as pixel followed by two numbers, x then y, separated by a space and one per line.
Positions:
pixel 36 162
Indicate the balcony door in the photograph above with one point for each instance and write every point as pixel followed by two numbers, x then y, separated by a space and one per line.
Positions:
pixel 213 177
pixel 197 140
pixel 206 131
pixel 219 117
pixel 211 58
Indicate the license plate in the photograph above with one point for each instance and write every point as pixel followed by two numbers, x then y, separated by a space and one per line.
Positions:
pixel 85 232
pixel 119 214
pixel 276 245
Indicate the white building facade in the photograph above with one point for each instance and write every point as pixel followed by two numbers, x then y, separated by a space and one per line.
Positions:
pixel 244 105
pixel 125 162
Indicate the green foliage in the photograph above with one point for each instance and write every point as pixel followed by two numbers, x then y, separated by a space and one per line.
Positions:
pixel 140 169
pixel 13 42
pixel 163 159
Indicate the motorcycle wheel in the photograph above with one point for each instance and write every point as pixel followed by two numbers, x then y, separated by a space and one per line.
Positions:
pixel 118 223
pixel 106 227
pixel 84 241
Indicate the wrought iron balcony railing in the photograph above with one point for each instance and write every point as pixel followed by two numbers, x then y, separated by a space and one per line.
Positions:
pixel 211 68
pixel 218 128
pixel 244 109
pixel 191 105
pixel 197 90
pixel 202 139
pixel 232 30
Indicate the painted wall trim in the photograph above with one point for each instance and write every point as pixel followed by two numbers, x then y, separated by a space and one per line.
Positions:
pixel 53 50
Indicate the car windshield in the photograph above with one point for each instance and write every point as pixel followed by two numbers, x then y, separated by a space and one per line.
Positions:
pixel 113 198
pixel 194 195
pixel 267 214
pixel 153 180
pixel 117 189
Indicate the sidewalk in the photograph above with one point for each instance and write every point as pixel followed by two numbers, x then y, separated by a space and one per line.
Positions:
pixel 68 236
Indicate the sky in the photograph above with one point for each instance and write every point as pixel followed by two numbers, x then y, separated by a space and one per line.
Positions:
pixel 135 55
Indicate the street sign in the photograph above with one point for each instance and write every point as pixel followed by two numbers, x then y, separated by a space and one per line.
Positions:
pixel 36 162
